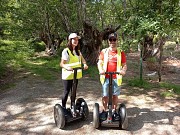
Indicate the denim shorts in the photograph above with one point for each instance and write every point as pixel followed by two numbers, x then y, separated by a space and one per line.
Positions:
pixel 115 88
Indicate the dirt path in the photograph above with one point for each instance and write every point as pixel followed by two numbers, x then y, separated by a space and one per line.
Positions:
pixel 27 108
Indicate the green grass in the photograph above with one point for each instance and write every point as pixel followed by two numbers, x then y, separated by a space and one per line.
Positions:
pixel 167 94
pixel 136 82
pixel 45 67
pixel 11 54
pixel 172 88
pixel 16 55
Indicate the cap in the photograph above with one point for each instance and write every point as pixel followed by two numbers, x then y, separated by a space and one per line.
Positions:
pixel 114 35
pixel 73 35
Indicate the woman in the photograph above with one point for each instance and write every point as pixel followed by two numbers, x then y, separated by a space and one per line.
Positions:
pixel 71 58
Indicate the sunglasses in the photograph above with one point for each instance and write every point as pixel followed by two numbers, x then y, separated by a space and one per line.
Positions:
pixel 112 39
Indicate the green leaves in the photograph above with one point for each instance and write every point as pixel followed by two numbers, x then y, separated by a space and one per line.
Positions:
pixel 25 19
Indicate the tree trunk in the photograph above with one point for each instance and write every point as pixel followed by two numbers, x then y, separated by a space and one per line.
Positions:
pixel 91 41
pixel 50 49
pixel 160 59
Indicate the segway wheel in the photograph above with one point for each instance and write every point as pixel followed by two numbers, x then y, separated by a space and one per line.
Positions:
pixel 80 102
pixel 59 116
pixel 96 122
pixel 123 122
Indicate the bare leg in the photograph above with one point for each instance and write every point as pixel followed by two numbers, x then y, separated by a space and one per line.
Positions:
pixel 115 101
pixel 105 102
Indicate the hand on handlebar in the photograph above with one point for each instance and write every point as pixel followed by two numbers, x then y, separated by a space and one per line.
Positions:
pixel 69 68
pixel 122 72
pixel 102 72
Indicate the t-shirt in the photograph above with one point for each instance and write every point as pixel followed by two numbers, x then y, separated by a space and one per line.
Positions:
pixel 112 61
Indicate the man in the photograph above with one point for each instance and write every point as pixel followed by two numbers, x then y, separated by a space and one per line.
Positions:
pixel 111 59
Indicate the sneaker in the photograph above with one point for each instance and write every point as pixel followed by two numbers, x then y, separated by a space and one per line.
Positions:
pixel 103 115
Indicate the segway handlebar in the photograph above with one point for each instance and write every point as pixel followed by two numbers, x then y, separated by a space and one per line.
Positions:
pixel 76 68
pixel 110 73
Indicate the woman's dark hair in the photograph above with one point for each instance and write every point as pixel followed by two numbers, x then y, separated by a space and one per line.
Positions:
pixel 69 45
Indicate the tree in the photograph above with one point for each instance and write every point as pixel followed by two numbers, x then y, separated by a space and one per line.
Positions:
pixel 52 21
pixel 152 18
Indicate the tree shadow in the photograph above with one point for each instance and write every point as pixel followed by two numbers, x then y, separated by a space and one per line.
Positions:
pixel 138 117
pixel 34 115
pixel 29 109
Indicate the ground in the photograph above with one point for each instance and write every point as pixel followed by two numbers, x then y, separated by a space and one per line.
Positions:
pixel 27 108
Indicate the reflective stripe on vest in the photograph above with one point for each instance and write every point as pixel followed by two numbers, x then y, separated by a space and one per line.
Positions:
pixel 74 61
pixel 118 76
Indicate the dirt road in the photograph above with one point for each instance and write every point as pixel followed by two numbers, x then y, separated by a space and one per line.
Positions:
pixel 27 108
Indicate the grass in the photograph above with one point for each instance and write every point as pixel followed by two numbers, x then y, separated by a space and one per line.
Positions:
pixel 169 89
pixel 136 82
pixel 12 53
pixel 16 55
pixel 45 67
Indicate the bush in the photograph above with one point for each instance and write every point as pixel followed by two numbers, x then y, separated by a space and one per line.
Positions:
pixel 37 45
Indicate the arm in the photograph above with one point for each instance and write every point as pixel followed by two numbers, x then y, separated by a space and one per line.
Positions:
pixel 64 60
pixel 124 65
pixel 84 62
pixel 63 65
pixel 124 68
pixel 100 63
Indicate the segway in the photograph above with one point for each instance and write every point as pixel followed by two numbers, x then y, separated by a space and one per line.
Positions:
pixel 112 119
pixel 78 110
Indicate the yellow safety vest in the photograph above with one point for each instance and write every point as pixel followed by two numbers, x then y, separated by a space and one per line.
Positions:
pixel 74 61
pixel 119 66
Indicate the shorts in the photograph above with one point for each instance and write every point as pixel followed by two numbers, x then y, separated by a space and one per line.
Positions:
pixel 115 88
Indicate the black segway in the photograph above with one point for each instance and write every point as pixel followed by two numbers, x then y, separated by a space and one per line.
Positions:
pixel 112 119
pixel 78 110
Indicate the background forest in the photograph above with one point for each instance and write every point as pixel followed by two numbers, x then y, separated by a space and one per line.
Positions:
pixel 30 29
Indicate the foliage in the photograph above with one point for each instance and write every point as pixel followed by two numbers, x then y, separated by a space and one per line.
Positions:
pixel 16 55
pixel 12 54
pixel 171 87
pixel 92 72
pixel 136 82
pixel 45 67
pixel 36 45
pixel 26 19
pixel 151 17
